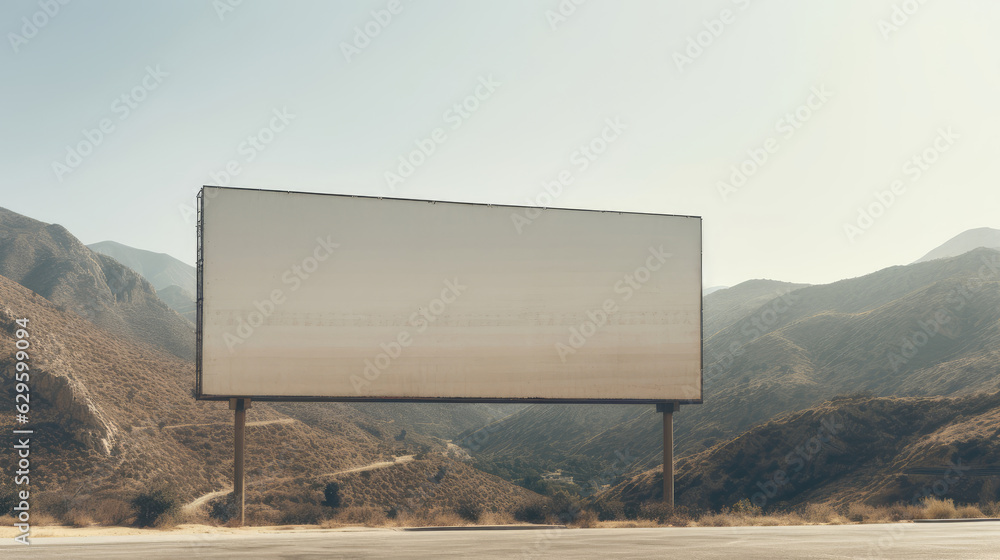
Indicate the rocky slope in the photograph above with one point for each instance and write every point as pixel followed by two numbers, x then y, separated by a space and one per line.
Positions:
pixel 53 263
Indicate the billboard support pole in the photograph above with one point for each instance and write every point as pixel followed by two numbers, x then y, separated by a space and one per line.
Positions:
pixel 239 431
pixel 668 410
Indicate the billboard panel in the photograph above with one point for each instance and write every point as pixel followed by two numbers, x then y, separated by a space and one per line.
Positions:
pixel 329 297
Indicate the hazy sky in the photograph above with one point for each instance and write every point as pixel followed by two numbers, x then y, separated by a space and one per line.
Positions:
pixel 335 94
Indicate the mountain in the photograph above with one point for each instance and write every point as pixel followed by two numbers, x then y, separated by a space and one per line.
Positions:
pixel 851 449
pixel 174 281
pixel 707 291
pixel 726 306
pixel 49 260
pixel 926 329
pixel 160 269
pixel 965 242
pixel 180 300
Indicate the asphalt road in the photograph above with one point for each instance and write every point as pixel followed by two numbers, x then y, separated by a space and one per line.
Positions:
pixel 968 541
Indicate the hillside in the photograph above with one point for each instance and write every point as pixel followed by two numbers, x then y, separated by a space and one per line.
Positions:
pixel 180 301
pixel 876 450
pixel 924 329
pixel 726 306
pixel 965 242
pixel 53 263
pixel 787 354
pixel 160 269
pixel 113 416
pixel 112 413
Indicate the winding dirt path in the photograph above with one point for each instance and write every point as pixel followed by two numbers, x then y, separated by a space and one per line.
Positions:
pixel 200 501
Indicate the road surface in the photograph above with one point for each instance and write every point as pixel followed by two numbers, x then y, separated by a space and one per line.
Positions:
pixel 910 541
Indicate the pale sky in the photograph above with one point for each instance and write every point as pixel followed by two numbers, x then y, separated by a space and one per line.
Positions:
pixel 199 80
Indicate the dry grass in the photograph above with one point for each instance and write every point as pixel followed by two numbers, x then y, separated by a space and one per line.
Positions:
pixel 43 520
pixel 864 513
pixel 969 512
pixel 77 518
pixel 990 509
pixel 361 515
pixel 824 514
pixel 111 512
pixel 498 518
pixel 627 524
pixel 936 508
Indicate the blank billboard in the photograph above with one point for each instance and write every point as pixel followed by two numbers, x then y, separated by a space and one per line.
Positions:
pixel 329 297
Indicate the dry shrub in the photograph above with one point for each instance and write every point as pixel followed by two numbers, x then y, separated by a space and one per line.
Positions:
pixel 901 512
pixel 113 512
pixel 470 511
pixel 362 515
pixel 724 519
pixel 436 517
pixel 656 511
pixel 990 509
pixel 863 513
pixel 936 508
pixel 77 518
pixel 301 514
pixel 586 519
pixel 259 515
pixel 7 520
pixel 496 518
pixel 43 519
pixel 969 512
pixel 630 524
pixel 822 513
pixel 55 504
pixel 609 510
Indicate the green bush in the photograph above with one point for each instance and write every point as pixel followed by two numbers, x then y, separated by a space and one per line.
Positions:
pixel 223 508
pixel 153 506
pixel 470 511
pixel 331 495
pixel 533 511
pixel 746 507
pixel 609 510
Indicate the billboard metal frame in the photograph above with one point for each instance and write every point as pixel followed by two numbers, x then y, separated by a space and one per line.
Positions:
pixel 199 395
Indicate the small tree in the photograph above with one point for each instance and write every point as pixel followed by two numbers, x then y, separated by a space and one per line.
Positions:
pixel 331 495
